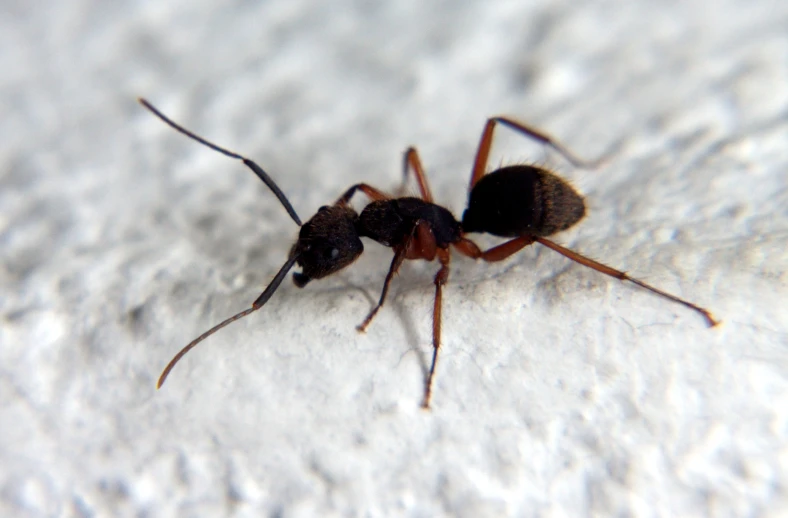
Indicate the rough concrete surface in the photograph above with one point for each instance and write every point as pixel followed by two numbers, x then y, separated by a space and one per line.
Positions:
pixel 560 392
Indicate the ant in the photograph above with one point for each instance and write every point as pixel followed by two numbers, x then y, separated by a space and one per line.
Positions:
pixel 526 203
pixel 522 202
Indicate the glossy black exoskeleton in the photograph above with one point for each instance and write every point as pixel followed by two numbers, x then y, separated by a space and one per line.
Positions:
pixel 524 203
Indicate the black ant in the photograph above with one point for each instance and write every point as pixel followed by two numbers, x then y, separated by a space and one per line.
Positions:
pixel 526 203
pixel 523 202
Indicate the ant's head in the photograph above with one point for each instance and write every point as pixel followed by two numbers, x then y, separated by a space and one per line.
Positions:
pixel 326 243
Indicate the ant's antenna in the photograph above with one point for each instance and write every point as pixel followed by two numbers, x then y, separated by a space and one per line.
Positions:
pixel 260 302
pixel 250 164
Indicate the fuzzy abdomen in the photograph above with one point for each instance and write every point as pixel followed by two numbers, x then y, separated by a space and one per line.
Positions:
pixel 522 201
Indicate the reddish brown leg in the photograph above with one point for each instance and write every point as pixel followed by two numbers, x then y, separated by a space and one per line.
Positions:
pixel 419 245
pixel 483 152
pixel 370 191
pixel 411 161
pixel 422 244
pixel 497 253
pixel 396 262
pixel 585 261
pixel 440 279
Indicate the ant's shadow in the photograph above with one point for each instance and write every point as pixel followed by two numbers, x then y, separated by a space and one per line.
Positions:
pixel 404 315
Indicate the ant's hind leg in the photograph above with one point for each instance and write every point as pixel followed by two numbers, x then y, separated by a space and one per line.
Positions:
pixel 497 253
pixel 585 261
pixel 483 152
pixel 410 160
pixel 420 242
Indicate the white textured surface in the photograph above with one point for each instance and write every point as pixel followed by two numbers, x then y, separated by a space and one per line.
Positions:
pixel 560 392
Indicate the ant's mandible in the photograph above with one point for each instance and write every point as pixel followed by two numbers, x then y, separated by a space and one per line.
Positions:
pixel 525 203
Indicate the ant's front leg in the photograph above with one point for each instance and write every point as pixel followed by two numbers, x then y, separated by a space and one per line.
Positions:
pixel 411 160
pixel 440 280
pixel 396 262
pixel 420 244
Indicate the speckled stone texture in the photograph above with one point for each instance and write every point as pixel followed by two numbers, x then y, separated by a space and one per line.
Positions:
pixel 560 392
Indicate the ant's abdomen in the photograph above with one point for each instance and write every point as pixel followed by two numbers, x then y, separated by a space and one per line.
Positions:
pixel 522 200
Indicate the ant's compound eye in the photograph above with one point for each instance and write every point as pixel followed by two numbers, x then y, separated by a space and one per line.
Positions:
pixel 323 208
pixel 334 253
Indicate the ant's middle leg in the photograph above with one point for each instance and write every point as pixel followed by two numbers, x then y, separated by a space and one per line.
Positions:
pixel 483 152
pixel 411 160
pixel 440 279
pixel 396 262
